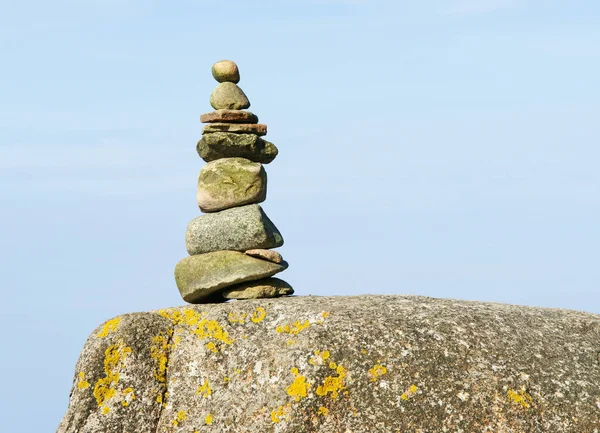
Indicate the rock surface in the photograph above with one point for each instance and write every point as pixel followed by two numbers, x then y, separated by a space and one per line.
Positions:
pixel 232 116
pixel 267 288
pixel 227 145
pixel 228 96
pixel 270 255
pixel 237 229
pixel 236 128
pixel 199 277
pixel 226 70
pixel 230 182
pixel 341 364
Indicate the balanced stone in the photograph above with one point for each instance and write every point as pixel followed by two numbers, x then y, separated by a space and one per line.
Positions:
pixel 226 70
pixel 229 116
pixel 228 145
pixel 236 128
pixel 270 255
pixel 230 182
pixel 267 288
pixel 200 276
pixel 228 96
pixel 237 229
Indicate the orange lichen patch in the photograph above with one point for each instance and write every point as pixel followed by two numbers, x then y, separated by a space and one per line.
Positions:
pixel 520 397
pixel 299 387
pixel 114 360
pixel 204 390
pixel 376 372
pixel 235 317
pixel 258 315
pixel 282 413
pixel 82 383
pixel 159 351
pixel 293 329
pixel 409 392
pixel 110 326
pixel 208 419
pixel 323 411
pixel 128 396
pixel 333 385
pixel 179 418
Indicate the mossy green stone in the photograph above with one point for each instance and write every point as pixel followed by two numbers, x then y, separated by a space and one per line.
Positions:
pixel 219 145
pixel 231 182
pixel 199 277
pixel 228 96
pixel 237 229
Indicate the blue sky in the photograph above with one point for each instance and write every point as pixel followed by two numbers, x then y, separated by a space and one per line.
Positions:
pixel 443 148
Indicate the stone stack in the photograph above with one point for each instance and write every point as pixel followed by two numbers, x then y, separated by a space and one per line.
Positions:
pixel 230 247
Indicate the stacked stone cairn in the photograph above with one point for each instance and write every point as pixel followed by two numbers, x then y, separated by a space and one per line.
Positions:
pixel 230 246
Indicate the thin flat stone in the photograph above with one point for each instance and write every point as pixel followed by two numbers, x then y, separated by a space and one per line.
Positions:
pixel 229 96
pixel 236 128
pixel 219 145
pixel 229 116
pixel 236 229
pixel 267 288
pixel 226 70
pixel 231 182
pixel 270 255
pixel 199 277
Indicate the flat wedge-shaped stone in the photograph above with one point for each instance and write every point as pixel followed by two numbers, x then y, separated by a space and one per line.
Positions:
pixel 237 229
pixel 270 255
pixel 229 96
pixel 236 128
pixel 231 182
pixel 199 277
pixel 229 116
pixel 267 288
pixel 227 145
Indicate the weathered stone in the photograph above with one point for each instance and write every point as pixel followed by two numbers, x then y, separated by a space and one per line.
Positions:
pixel 227 145
pixel 201 276
pixel 228 96
pixel 230 182
pixel 237 229
pixel 229 116
pixel 236 128
pixel 226 70
pixel 270 255
pixel 267 288
pixel 376 364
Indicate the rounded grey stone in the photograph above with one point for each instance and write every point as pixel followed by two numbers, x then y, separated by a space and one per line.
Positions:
pixel 226 70
pixel 266 288
pixel 228 96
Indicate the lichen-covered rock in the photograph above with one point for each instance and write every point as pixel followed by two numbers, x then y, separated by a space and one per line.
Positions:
pixel 229 96
pixel 341 364
pixel 229 145
pixel 236 128
pixel 231 116
pixel 238 229
pixel 230 182
pixel 200 277
pixel 266 288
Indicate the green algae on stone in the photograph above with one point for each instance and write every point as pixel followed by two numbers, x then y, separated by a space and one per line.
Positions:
pixel 219 145
pixel 229 96
pixel 238 229
pixel 266 288
pixel 230 182
pixel 200 276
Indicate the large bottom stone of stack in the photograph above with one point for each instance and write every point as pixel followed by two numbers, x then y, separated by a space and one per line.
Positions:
pixel 237 229
pixel 266 288
pixel 199 278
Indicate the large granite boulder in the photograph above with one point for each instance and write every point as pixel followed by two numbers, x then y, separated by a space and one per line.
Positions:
pixel 340 364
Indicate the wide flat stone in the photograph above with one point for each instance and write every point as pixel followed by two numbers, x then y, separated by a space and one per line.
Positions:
pixel 229 116
pixel 199 277
pixel 236 128
pixel 229 96
pixel 266 288
pixel 226 70
pixel 230 182
pixel 227 145
pixel 270 255
pixel 237 229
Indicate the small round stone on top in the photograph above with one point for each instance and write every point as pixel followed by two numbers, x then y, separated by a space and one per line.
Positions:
pixel 226 71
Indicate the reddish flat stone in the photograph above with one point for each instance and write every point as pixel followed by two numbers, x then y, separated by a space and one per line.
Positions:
pixel 229 116
pixel 236 128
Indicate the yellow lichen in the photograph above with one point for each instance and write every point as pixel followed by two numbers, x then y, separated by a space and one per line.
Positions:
pixel 208 419
pixel 82 383
pixel 293 329
pixel 409 392
pixel 282 413
pixel 159 351
pixel 109 327
pixel 129 396
pixel 520 397
pixel 323 411
pixel 105 388
pixel 204 390
pixel 377 371
pixel 363 351
pixel 258 315
pixel 235 317
pixel 325 314
pixel 333 385
pixel 179 418
pixel 299 387
pixel 212 347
